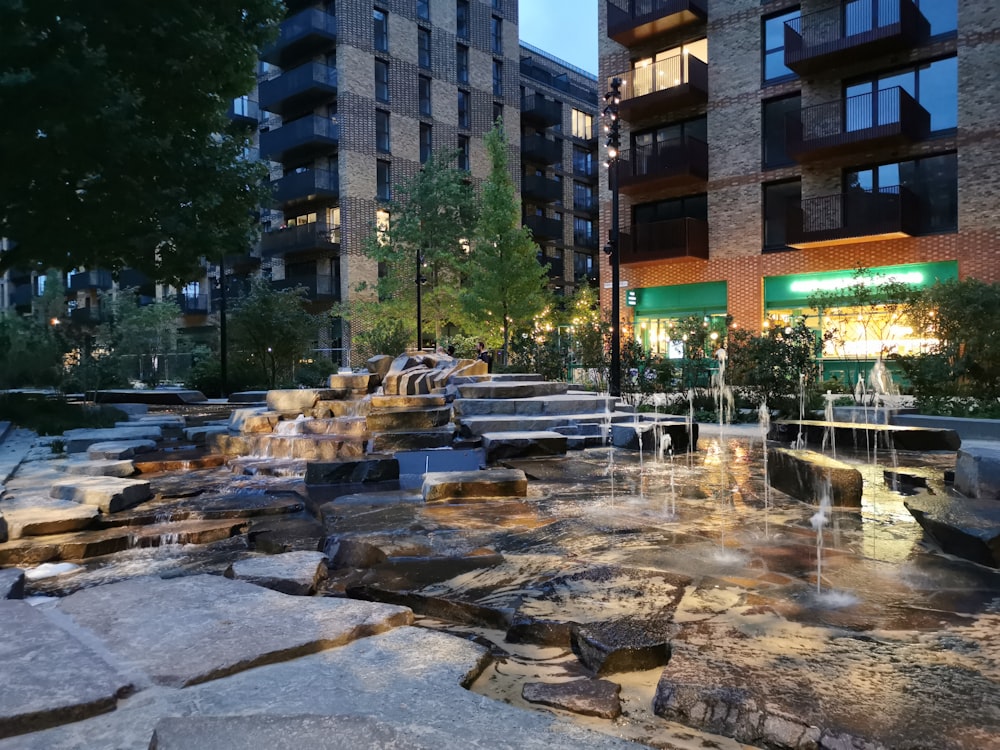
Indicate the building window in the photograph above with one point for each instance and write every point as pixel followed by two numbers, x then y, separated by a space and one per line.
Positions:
pixel 382 81
pixel 774 48
pixel 382 221
pixel 383 180
pixel 496 35
pixel 651 148
pixel 583 231
pixel 583 125
pixel 464 146
pixel 462 19
pixel 426 142
pixel 424 10
pixel 583 161
pixel 780 200
pixel 497 111
pixel 876 101
pixel 380 23
pixel 583 197
pixel 583 267
pixel 424 48
pixel 382 131
pixel 689 207
pixel 424 95
pixel 497 78
pixel 666 69
pixel 462 63
pixel 774 117
pixel 463 109
pixel 932 181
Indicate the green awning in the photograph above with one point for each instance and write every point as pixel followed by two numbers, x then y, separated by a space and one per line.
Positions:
pixel 681 300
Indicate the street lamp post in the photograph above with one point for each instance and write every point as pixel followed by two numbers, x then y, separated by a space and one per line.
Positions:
pixel 420 280
pixel 613 129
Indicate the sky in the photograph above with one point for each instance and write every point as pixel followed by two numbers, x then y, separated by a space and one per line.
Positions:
pixel 566 29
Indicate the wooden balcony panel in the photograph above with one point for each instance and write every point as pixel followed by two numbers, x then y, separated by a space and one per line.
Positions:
pixel 659 241
pixel 679 81
pixel 853 217
pixel 642 20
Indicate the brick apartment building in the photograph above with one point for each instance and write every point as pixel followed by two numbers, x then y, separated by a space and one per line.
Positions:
pixel 769 149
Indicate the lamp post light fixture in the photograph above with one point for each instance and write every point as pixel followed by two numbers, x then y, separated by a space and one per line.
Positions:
pixel 420 281
pixel 612 127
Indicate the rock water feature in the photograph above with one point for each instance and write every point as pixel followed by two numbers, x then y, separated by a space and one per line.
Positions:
pixel 600 595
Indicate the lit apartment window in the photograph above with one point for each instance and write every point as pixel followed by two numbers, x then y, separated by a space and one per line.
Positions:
pixel 462 63
pixel 463 109
pixel 424 95
pixel 383 180
pixel 666 69
pixel 774 47
pixel 424 48
pixel 426 142
pixel 424 10
pixel 583 124
pixel 382 81
pixel 382 131
pixel 497 78
pixel 380 26
pixel 496 35
pixel 382 219
pixel 462 19
pixel 464 146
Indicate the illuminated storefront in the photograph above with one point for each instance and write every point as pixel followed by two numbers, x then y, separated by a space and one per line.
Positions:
pixel 659 312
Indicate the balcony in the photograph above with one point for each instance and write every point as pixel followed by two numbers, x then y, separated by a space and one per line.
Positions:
pixel 641 20
pixel 852 33
pixel 244 111
pixel 299 90
pixel 318 238
pixel 581 239
pixel 543 228
pixel 674 239
pixel 541 189
pixel 326 288
pixel 307 185
pixel 857 124
pixel 302 36
pixel 540 112
pixel 676 81
pixel 853 217
pixel 300 139
pixel 88 316
pixel 587 204
pixel 21 297
pixel 87 280
pixel 539 149
pixel 555 272
pixel 194 304
pixel 676 163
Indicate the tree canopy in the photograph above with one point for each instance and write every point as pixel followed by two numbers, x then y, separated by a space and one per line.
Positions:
pixel 117 149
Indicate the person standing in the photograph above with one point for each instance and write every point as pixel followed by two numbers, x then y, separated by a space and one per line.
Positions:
pixel 484 355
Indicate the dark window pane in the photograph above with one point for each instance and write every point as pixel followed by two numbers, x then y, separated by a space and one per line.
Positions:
pixel 942 14
pixel 426 142
pixel 779 199
pixel 382 131
pixel 381 81
pixel 424 48
pixel 462 63
pixel 463 109
pixel 462 19
pixel 380 22
pixel 424 10
pixel 774 47
pixel 383 179
pixel 424 95
pixel 775 135
pixel 937 86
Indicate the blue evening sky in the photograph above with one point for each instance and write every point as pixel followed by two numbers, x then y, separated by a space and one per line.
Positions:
pixel 566 29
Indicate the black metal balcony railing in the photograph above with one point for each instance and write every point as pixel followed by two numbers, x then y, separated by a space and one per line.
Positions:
pixel 310 184
pixel 676 162
pixel 586 203
pixel 290 240
pixel 857 123
pixel 91 280
pixel 298 90
pixel 245 110
pixel 855 216
pixel 542 189
pixel 537 109
pixel 539 73
pixel 300 138
pixel 859 29
pixel 631 21
pixel 316 287
pixel 538 148
pixel 194 304
pixel 555 266
pixel 302 36
pixel 544 228
pixel 672 239
pixel 676 81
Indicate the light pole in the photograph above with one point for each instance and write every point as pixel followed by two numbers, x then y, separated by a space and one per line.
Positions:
pixel 613 128
pixel 421 280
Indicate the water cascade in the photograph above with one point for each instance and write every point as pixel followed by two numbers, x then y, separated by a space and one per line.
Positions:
pixel 764 420
pixel 829 435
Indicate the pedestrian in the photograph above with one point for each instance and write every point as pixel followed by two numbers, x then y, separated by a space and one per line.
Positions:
pixel 484 355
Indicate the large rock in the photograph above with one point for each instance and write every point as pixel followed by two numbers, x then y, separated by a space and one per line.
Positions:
pixel 296 400
pixel 493 389
pixel 806 475
pixel 587 697
pixel 295 573
pixel 418 440
pixel 48 676
pixel 390 420
pixel 371 468
pixel 101 468
pixel 184 631
pixel 675 436
pixel 623 645
pixel 354 382
pixel 80 440
pixel 114 450
pixel 379 364
pixel 110 494
pixel 500 445
pixel 275 535
pixel 965 527
pixel 471 485
pixel 11 583
pixel 977 472
pixel 239 418
pixel 53 518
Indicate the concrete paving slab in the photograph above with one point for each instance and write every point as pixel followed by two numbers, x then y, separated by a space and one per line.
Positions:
pixel 108 467
pixel 47 676
pixel 189 630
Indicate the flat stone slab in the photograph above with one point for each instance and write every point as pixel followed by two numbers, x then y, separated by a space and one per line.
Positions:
pixel 372 468
pixel 806 475
pixel 500 445
pixel 965 527
pixel 80 440
pixel 496 389
pixel 165 397
pixel 356 381
pixel 11 583
pixel 393 442
pixel 47 676
pixel 586 697
pixel 99 468
pixel 199 435
pixel 472 485
pixel 248 397
pixel 534 405
pixel 409 419
pixel 298 400
pixel 407 402
pixel 977 472
pixel 295 573
pixel 673 437
pixel 54 518
pixel 119 449
pixel 859 436
pixel 110 494
pixel 184 631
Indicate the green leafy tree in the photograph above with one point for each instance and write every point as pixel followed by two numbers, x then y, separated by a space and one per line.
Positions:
pixel 770 367
pixel 31 353
pixel 117 149
pixel 141 337
pixel 272 331
pixel 506 285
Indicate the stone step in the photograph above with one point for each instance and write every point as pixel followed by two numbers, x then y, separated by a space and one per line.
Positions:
pixel 411 440
pixel 501 445
pixel 495 389
pixel 311 447
pixel 208 507
pixel 474 485
pixel 966 527
pixel 58 517
pixel 372 468
pixel 533 405
pixel 860 436
pixel 110 494
pixel 383 403
pixel 391 420
pixel 474 426
pixel 80 440
pixel 329 426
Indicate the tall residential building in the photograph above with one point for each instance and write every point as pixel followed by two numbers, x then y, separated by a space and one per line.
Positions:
pixel 357 94
pixel 559 162
pixel 770 149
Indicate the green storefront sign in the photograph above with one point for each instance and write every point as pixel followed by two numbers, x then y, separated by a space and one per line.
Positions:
pixel 681 300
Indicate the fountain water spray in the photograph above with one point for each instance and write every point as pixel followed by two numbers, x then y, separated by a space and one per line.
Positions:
pixel 800 439
pixel 829 434
pixel 764 420
pixel 818 521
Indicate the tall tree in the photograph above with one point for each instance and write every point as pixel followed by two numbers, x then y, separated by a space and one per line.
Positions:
pixel 116 146
pixel 432 218
pixel 142 337
pixel 506 286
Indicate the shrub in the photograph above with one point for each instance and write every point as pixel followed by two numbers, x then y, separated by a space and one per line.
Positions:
pixel 54 415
